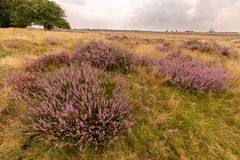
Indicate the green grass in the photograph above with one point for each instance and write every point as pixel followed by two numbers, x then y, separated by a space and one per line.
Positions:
pixel 169 122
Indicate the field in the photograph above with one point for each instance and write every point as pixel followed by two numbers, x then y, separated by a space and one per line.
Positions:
pixel 169 122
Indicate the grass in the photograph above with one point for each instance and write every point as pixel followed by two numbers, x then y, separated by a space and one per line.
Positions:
pixel 170 123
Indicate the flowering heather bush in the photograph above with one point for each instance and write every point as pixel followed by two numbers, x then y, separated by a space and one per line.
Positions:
pixel 105 56
pixel 210 47
pixel 48 62
pixel 81 107
pixel 24 85
pixel 190 74
pixel 118 38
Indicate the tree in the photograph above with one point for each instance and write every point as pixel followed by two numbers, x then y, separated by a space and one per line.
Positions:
pixel 4 13
pixel 23 13
pixel 212 30
pixel 49 14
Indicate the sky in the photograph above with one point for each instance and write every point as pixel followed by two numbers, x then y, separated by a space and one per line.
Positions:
pixel 155 15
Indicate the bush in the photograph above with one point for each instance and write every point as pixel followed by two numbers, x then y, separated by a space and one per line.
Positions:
pixel 49 62
pixel 80 107
pixel 118 38
pixel 105 56
pixel 24 85
pixel 210 47
pixel 190 74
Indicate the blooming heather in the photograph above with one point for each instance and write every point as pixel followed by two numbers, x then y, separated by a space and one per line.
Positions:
pixel 104 56
pixel 49 61
pixel 191 74
pixel 81 107
pixel 210 47
pixel 24 85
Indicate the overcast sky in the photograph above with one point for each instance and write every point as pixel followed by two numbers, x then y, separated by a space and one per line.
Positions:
pixel 198 15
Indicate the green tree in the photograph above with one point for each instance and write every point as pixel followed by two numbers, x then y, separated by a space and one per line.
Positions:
pixel 4 13
pixel 23 13
pixel 49 14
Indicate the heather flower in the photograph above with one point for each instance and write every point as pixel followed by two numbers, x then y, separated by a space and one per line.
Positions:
pixel 191 74
pixel 210 47
pixel 49 62
pixel 80 107
pixel 24 84
pixel 104 56
pixel 118 38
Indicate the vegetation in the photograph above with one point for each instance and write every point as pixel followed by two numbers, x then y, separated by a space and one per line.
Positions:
pixel 210 47
pixel 77 108
pixel 23 13
pixel 49 61
pixel 104 56
pixel 165 121
pixel 4 13
pixel 190 74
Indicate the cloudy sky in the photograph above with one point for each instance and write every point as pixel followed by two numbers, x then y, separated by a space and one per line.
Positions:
pixel 198 15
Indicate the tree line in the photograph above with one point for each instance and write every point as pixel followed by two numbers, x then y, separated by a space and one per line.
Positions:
pixel 23 13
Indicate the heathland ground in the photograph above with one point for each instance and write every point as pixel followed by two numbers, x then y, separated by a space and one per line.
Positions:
pixel 169 122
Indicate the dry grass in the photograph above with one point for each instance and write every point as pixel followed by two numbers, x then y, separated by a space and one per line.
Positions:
pixel 170 123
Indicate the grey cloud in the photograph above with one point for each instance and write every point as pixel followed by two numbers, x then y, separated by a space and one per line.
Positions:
pixel 199 15
pixel 175 14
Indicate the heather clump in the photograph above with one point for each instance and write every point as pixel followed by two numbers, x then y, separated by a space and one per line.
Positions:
pixel 79 107
pixel 210 47
pixel 191 74
pixel 24 84
pixel 151 40
pixel 104 56
pixel 49 62
pixel 118 38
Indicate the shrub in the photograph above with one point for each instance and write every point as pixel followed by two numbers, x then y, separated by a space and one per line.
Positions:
pixel 105 56
pixel 81 107
pixel 210 47
pixel 24 85
pixel 151 40
pixel 190 74
pixel 49 61
pixel 118 38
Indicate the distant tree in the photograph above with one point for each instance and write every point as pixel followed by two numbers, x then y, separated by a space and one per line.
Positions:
pixel 4 13
pixel 23 13
pixel 212 30
pixel 49 14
